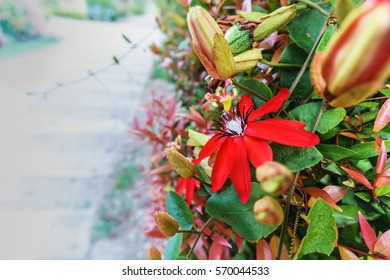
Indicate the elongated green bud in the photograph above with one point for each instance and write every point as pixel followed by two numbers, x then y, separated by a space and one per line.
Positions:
pixel 273 21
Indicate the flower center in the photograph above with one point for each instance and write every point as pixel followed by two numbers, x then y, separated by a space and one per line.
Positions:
pixel 235 126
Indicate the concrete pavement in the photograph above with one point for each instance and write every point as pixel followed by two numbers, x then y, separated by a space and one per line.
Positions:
pixel 58 152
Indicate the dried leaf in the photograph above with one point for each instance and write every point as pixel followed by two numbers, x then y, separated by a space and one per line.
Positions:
pixel 274 244
pixel 368 233
pixel 383 117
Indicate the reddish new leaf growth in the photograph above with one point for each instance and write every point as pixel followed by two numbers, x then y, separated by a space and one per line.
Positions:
pixel 383 117
pixel 368 233
pixel 317 192
pixel 263 250
pixel 358 177
pixel 382 245
pixel 346 254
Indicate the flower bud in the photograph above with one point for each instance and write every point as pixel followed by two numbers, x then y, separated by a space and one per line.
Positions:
pixel 343 7
pixel 210 44
pixel 247 60
pixel 273 21
pixel 356 63
pixel 274 177
pixel 238 40
pixel 268 211
pixel 167 224
pixel 182 165
pixel 152 253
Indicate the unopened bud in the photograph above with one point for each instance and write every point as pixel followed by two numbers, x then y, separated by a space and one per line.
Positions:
pixel 152 253
pixel 274 177
pixel 274 21
pixel 247 60
pixel 167 224
pixel 238 40
pixel 182 165
pixel 343 7
pixel 355 63
pixel 268 211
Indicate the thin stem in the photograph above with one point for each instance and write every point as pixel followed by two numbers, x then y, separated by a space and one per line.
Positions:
pixel 358 251
pixel 285 65
pixel 200 232
pixel 291 192
pixel 314 6
pixel 323 3
pixel 188 231
pixel 248 90
pixel 307 61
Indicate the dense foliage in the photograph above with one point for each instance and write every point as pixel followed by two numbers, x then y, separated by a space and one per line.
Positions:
pixel 249 160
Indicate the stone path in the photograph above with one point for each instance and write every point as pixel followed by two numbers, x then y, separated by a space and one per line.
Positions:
pixel 58 153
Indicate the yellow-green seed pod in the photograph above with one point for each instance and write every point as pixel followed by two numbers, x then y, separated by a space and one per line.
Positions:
pixel 167 224
pixel 182 165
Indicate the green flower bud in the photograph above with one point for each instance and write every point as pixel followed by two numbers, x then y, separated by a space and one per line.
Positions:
pixel 268 211
pixel 273 21
pixel 238 40
pixel 274 177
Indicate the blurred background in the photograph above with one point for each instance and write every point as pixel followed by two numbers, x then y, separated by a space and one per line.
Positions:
pixel 73 75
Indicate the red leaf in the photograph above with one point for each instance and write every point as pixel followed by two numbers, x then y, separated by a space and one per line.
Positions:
pixel 358 177
pixel 222 241
pixel 368 233
pixel 382 245
pixel 382 158
pixel 263 251
pixel 383 117
pixel 346 254
pixel 317 192
pixel 335 192
pixel 216 251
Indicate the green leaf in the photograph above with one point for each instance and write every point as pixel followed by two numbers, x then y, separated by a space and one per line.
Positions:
pixel 334 152
pixel 258 87
pixel 385 91
pixel 227 207
pixel 295 55
pixel 364 196
pixel 331 119
pixel 296 158
pixel 385 199
pixel 333 168
pixel 177 208
pixel 306 113
pixel 383 191
pixel 366 150
pixel 321 234
pixel 305 28
pixel 330 30
pixel 349 216
pixel 172 249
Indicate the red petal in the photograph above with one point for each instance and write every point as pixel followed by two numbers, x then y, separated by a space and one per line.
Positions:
pixel 383 117
pixel 382 158
pixel 382 245
pixel 245 105
pixel 281 131
pixel 211 146
pixel 368 233
pixel 181 185
pixel 317 192
pixel 190 190
pixel 271 106
pixel 240 173
pixel 258 151
pixel 223 164
pixel 263 251
pixel 358 177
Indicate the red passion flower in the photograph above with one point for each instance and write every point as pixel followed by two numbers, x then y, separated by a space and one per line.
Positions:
pixel 241 137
